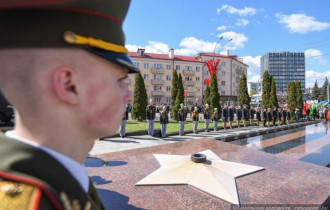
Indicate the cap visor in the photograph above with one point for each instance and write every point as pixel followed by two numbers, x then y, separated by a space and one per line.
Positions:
pixel 119 58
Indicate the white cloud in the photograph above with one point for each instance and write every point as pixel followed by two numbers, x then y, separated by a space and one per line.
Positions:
pixel 153 47
pixel 255 78
pixel 253 63
pixel 192 46
pixel 315 56
pixel 221 28
pixel 238 40
pixel 312 76
pixel 241 12
pixel 301 23
pixel 313 53
pixel 242 22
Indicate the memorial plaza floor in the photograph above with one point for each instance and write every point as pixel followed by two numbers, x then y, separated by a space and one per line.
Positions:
pixel 295 158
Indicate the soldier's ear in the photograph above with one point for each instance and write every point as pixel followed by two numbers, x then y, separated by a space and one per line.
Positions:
pixel 64 85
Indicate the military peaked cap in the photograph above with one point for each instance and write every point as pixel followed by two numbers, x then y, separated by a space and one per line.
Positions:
pixel 95 25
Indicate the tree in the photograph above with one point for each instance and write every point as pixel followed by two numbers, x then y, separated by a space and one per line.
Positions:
pixel 252 92
pixel 299 98
pixel 243 94
pixel 207 95
pixel 179 98
pixel 291 97
pixel 174 92
pixel 214 94
pixel 324 91
pixel 265 90
pixel 140 99
pixel 273 102
pixel 316 92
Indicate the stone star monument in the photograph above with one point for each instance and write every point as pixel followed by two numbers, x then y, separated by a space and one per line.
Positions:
pixel 204 171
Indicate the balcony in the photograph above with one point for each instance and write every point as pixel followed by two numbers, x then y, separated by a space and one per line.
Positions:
pixel 188 73
pixel 127 81
pixel 157 82
pixel 157 93
pixel 190 94
pixel 189 83
pixel 157 71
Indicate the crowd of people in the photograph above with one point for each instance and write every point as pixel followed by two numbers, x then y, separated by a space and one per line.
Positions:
pixel 229 115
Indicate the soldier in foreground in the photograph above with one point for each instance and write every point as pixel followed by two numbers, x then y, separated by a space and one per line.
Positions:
pixel 215 119
pixel 63 66
pixel 182 115
pixel 151 114
pixel 207 116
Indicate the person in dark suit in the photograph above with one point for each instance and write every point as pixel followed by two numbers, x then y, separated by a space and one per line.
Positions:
pixel 238 115
pixel 289 116
pixel 63 66
pixel 258 113
pixel 231 116
pixel 163 120
pixel 245 115
pixel 224 116
pixel 251 115
pixel 264 117
pixel 284 116
pixel 274 116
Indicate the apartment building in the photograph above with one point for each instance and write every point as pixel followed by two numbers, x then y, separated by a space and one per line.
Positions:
pixel 157 69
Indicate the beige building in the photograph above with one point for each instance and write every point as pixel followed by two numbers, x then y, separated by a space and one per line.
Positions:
pixel 157 70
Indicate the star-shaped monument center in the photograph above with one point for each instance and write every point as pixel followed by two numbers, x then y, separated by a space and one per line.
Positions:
pixel 215 176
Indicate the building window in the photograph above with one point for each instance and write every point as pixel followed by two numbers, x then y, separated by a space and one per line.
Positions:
pixel 136 64
pixel 188 68
pixel 168 88
pixel 157 76
pixel 168 77
pixel 223 63
pixel 223 83
pixel 177 67
pixel 145 76
pixel 157 99
pixel 168 67
pixel 198 79
pixel 168 100
pixel 198 69
pixel 206 72
pixel 223 73
pixel 157 65
pixel 223 92
pixel 157 88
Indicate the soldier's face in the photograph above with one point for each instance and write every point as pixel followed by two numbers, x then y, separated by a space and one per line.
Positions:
pixel 106 96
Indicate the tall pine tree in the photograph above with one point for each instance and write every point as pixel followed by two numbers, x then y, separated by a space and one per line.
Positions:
pixel 324 91
pixel 207 95
pixel 243 94
pixel 316 92
pixel 299 98
pixel 291 96
pixel 214 94
pixel 265 90
pixel 179 98
pixel 273 102
pixel 140 99
pixel 174 91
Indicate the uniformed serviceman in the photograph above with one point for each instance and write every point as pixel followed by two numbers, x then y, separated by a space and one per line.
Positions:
pixel 151 114
pixel 264 117
pixel 122 128
pixel 207 116
pixel 251 112
pixel 182 115
pixel 274 115
pixel 238 116
pixel 224 116
pixel 215 119
pixel 63 66
pixel 279 116
pixel 269 116
pixel 195 120
pixel 163 121
pixel 231 116
pixel 245 115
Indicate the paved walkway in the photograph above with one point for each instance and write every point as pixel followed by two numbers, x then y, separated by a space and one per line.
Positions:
pixel 115 144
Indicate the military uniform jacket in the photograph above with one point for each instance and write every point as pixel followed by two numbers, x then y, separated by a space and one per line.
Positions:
pixel 195 116
pixel 274 114
pixel 182 115
pixel 151 112
pixel 34 178
pixel 264 115
pixel 231 114
pixel 289 116
pixel 284 114
pixel 215 116
pixel 258 115
pixel 163 117
pixel 239 114
pixel 269 116
pixel 245 114
pixel 207 114
pixel 251 113
pixel 224 114
pixel 279 115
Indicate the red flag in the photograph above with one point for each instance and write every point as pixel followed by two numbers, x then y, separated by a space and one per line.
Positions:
pixel 185 93
pixel 207 81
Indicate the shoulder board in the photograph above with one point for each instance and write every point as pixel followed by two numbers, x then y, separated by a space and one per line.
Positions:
pixel 18 192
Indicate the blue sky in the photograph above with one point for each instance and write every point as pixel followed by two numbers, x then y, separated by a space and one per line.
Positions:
pixel 256 27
